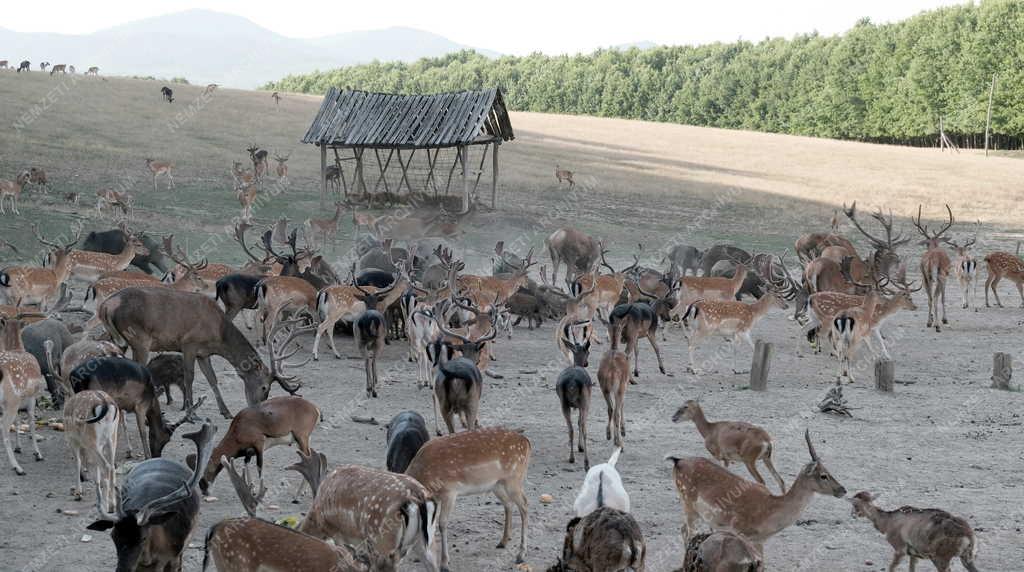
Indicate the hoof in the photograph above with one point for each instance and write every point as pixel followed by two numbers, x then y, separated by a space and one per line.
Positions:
pixel 316 358
pixel 19 471
pixel 945 321
pixel 572 460
pixel 38 456
pixel 295 501
pixel 500 545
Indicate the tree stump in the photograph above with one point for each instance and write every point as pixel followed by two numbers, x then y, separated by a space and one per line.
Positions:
pixel 885 375
pixel 761 365
pixel 1002 371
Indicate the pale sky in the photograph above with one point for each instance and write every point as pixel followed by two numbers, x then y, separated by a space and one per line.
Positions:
pixel 551 26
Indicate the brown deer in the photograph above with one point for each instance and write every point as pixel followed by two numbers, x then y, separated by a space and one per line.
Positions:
pixel 90 425
pixel 613 377
pixel 579 253
pixel 564 175
pixel 282 167
pixel 965 267
pixel 260 166
pixel 29 285
pixel 476 462
pixel 161 168
pixel 12 189
pixel 728 318
pixel 1003 265
pixel 325 227
pixel 21 381
pixel 935 266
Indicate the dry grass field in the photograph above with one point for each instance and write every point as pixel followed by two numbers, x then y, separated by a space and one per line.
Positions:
pixel 943 439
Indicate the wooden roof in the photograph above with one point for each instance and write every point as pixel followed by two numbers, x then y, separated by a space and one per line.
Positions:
pixel 351 118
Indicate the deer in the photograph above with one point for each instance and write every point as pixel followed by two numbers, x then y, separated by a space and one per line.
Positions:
pixel 167 93
pixel 158 510
pixel 406 434
pixel 21 381
pixel 732 441
pixel 210 88
pixel 260 166
pixel 158 168
pixel 848 328
pixel 387 515
pixel 325 227
pixel 12 190
pixel 708 287
pixel 24 66
pixel 607 289
pixel 576 250
pixel 457 381
pixel 965 268
pixel 721 550
pixel 606 539
pixel 243 177
pixel 1003 265
pixel 160 319
pixel 728 318
pixel 712 493
pixel 282 167
pixel 252 543
pixel 282 420
pixel 920 533
pixel 246 195
pixel 935 265
pixel 131 387
pixel 629 321
pixel 343 302
pixel 45 287
pixel 88 266
pixel 476 462
pixel 613 378
pixel 573 390
pixel 37 176
pixel 371 331
pixel 62 68
pixel 123 201
pixel 564 175
pixel 883 257
pixel 104 288
pixel 93 70
pixel 91 421
pixel 278 294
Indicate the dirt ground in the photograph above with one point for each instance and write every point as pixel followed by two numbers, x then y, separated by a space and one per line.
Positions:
pixel 943 439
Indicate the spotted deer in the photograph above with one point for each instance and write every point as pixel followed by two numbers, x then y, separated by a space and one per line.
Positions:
pixel 1003 265
pixel 21 381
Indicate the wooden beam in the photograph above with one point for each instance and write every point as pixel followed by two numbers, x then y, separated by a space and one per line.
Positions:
pixel 885 375
pixel 323 174
pixel 988 116
pixel 464 152
pixel 455 163
pixel 494 174
pixel 761 365
pixel 405 169
pixel 383 170
pixel 1002 371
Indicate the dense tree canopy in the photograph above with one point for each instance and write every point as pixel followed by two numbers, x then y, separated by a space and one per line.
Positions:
pixel 886 83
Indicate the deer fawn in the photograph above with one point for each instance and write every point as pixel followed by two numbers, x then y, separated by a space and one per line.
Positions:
pixel 564 175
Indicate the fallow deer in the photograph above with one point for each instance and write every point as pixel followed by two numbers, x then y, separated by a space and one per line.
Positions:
pixel 727 318
pixel 21 381
pixel 91 420
pixel 573 389
pixel 732 441
pixel 476 462
pixel 113 199
pixel 282 167
pixel 720 551
pixel 935 266
pixel 28 285
pixel 1003 265
pixel 965 268
pixel 849 327
pixel 628 322
pixel 370 330
pixel 613 377
pixel 160 168
pixel 260 165
pixel 279 294
pixel 564 175
pixel 712 493
pixel 457 381
pixel 342 303
pixel 325 227
pixel 12 189
pixel 573 248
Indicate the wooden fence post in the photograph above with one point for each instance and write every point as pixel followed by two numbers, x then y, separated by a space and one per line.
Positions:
pixel 1002 370
pixel 885 375
pixel 761 365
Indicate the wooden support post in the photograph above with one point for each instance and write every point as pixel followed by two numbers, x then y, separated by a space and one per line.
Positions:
pixel 323 174
pixel 1002 371
pixel 988 116
pixel 383 167
pixel 359 170
pixel 494 174
pixel 464 151
pixel 885 375
pixel 761 365
pixel 455 163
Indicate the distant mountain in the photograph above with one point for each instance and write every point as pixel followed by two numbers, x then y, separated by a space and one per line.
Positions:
pixel 212 47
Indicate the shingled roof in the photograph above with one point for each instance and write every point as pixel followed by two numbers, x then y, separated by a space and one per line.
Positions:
pixel 350 118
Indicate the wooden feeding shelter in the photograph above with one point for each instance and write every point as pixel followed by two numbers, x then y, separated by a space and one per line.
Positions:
pixel 421 133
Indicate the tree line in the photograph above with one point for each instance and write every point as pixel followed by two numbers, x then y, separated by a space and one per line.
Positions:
pixel 888 83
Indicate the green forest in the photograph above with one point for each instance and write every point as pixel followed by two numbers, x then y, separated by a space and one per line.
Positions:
pixel 889 83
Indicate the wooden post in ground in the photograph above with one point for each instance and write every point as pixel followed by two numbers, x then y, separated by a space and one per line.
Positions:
pixel 1002 370
pixel 761 365
pixel 885 375
pixel 464 151
pixel 988 116
pixel 323 174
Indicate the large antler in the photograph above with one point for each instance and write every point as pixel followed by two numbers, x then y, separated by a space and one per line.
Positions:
pixel 240 239
pixel 178 255
pixel 41 239
pixel 278 355
pixel 247 493
pixel 890 241
pixel 924 229
pixel 313 467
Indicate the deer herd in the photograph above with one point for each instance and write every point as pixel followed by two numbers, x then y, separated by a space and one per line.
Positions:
pixel 146 334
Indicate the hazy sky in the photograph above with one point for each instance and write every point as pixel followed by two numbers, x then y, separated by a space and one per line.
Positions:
pixel 551 26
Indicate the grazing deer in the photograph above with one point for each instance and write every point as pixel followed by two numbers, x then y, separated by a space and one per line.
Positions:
pixel 721 551
pixel 935 265
pixel 920 533
pixel 282 166
pixel 283 420
pixel 476 462
pixel 28 285
pixel 24 66
pixel 573 390
pixel 167 93
pixel 160 168
pixel 12 189
pixel 576 250
pixel 161 319
pixel 21 381
pixel 1003 265
pixel 325 227
pixel 62 68
pixel 613 377
pixel 386 515
pixel 37 176
pixel 727 318
pixel 278 294
pixel 732 441
pixel 965 267
pixel 564 175
pixel 606 539
pixel 712 493
pixel 260 166
pixel 90 425
pixel 93 71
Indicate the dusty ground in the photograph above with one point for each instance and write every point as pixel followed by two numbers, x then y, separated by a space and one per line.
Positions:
pixel 944 439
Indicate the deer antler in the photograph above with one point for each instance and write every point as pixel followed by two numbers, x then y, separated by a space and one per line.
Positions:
pixel 890 242
pixel 313 467
pixel 924 229
pixel 240 239
pixel 246 492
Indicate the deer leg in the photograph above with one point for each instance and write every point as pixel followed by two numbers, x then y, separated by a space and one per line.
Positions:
pixel 506 531
pixel 446 503
pixel 620 414
pixel 913 564
pixel 519 498
pixel 76 490
pixel 127 439
pixel 995 291
pixel 611 415
pixel 368 366
pixel 876 336
pixel 140 422
pixel 692 342
pixel 767 459
pixel 583 438
pixel 566 412
pixel 10 416
pixel 31 407
pixel 752 469
pixel 1020 290
pixel 942 292
pixel 653 338
pixel 211 378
